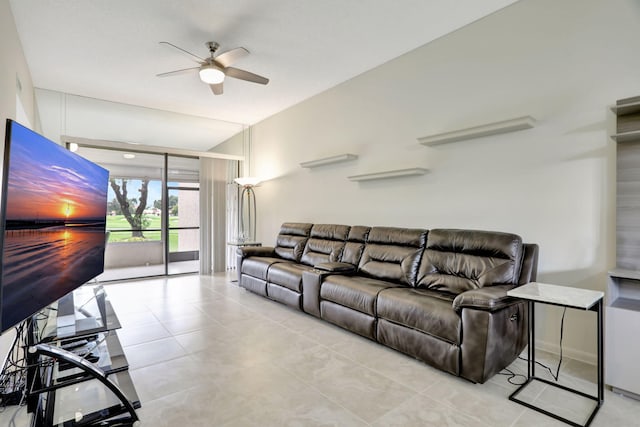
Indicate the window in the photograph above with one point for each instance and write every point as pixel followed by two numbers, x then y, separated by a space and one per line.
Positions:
pixel 148 236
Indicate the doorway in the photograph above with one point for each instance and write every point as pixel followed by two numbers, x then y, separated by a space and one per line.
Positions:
pixel 153 220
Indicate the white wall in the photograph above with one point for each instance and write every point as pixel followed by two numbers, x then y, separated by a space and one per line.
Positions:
pixel 79 116
pixel 13 66
pixel 563 62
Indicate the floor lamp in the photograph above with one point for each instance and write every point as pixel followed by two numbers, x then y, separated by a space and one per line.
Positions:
pixel 247 208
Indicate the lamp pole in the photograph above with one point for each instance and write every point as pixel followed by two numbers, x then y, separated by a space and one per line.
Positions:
pixel 251 212
pixel 247 184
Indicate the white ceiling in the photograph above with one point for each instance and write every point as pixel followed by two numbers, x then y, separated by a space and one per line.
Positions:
pixel 108 49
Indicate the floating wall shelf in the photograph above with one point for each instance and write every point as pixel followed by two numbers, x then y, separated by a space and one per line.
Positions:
pixel 329 160
pixel 627 136
pixel 512 125
pixel 626 108
pixel 628 120
pixel 389 174
pixel 624 273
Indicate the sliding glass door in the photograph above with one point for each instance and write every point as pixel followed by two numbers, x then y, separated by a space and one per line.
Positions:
pixel 183 196
pixel 153 214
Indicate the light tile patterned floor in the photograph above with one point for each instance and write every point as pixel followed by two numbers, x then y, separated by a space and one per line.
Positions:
pixel 205 352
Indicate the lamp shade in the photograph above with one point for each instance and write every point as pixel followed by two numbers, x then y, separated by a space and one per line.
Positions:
pixel 211 74
pixel 247 181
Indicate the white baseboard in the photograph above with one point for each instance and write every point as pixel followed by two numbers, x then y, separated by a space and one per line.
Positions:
pixel 569 352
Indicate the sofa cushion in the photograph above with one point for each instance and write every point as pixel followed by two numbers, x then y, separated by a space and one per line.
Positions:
pixel 355 244
pixel 428 348
pixel 325 244
pixel 459 260
pixel 291 240
pixel 430 312
pixel 288 275
pixel 352 320
pixel 258 267
pixel 330 232
pixel 392 254
pixel 356 292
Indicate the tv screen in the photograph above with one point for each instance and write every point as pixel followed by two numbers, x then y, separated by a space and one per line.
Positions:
pixel 52 234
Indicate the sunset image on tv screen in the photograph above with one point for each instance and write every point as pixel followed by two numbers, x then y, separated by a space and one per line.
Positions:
pixel 54 224
pixel 48 183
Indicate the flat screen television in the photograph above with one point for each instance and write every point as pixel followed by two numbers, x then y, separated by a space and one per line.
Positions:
pixel 52 224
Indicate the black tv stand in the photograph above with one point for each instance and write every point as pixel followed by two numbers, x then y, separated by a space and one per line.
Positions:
pixel 71 344
pixel 91 371
pixel 78 373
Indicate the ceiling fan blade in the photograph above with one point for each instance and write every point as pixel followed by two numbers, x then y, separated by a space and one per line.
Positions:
pixel 216 88
pixel 178 72
pixel 229 57
pixel 193 56
pixel 245 75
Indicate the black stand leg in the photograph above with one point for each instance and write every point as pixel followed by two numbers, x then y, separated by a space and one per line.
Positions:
pixel 599 399
pixel 532 340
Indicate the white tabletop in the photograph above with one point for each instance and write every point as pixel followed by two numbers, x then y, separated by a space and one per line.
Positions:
pixel 556 294
pixel 243 243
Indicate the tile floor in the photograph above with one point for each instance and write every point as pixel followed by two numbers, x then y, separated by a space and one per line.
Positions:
pixel 204 352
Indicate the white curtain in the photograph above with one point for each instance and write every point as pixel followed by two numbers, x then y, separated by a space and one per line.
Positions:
pixel 213 215
pixel 233 227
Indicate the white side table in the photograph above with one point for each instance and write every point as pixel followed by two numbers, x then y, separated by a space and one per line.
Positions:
pixel 243 243
pixel 240 244
pixel 563 296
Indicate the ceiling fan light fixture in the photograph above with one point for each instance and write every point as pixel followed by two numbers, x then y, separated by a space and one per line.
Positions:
pixel 211 74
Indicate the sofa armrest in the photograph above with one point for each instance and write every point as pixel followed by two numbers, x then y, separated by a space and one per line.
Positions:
pixel 247 251
pixel 243 252
pixel 312 281
pixel 488 298
pixel 493 339
pixel 336 267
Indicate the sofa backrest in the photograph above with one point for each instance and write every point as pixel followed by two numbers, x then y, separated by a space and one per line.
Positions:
pixel 393 254
pixel 355 244
pixel 291 240
pixel 455 261
pixel 529 269
pixel 326 243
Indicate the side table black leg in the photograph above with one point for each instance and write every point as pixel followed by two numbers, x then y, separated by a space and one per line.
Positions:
pixel 532 340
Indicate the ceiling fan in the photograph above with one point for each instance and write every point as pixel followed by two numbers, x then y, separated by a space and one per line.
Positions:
pixel 214 69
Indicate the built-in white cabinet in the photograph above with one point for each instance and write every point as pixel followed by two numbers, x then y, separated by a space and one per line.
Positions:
pixel 622 349
pixel 622 311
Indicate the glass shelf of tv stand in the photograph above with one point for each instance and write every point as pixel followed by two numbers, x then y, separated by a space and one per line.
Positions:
pixel 91 400
pixel 88 312
pixel 78 398
pixel 105 349
pixel 89 332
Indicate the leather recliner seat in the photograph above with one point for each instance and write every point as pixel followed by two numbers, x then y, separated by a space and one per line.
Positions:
pixel 439 295
pixel 389 259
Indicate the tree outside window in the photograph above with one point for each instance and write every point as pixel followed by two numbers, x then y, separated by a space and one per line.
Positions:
pixel 132 209
pixel 135 210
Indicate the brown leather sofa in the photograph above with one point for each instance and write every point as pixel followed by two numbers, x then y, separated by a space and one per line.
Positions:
pixel 437 295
